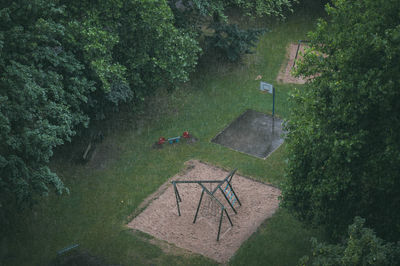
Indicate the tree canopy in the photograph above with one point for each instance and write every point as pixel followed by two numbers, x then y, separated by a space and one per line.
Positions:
pixel 42 89
pixel 64 63
pixel 344 129
pixel 225 39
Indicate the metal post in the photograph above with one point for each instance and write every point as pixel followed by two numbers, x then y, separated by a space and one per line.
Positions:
pixel 177 193
pixel 231 174
pixel 196 181
pixel 211 194
pixel 220 223
pixel 273 101
pixel 273 127
pixel 177 199
pixel 297 51
pixel 198 207
pixel 229 218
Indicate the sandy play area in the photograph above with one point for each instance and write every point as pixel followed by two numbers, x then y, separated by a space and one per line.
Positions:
pixel 160 218
pixel 285 75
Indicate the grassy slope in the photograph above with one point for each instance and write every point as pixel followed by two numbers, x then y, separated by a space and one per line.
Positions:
pixel 95 212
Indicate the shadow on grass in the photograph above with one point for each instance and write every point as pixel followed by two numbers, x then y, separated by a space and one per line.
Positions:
pixel 280 240
pixel 78 258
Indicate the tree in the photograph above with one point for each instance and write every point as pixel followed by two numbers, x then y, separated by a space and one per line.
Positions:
pixel 63 63
pixel 42 90
pixel 131 48
pixel 224 39
pixel 362 247
pixel 230 42
pixel 261 8
pixel 154 52
pixel 344 129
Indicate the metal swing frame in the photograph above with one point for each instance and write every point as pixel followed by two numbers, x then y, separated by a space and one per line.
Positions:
pixel 219 183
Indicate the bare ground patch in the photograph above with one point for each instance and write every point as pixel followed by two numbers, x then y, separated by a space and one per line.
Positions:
pixel 102 155
pixel 285 75
pixel 160 218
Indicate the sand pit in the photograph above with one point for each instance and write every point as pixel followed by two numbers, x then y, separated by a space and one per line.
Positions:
pixel 160 218
pixel 285 75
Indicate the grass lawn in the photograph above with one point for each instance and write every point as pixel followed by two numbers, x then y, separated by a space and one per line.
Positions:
pixel 101 200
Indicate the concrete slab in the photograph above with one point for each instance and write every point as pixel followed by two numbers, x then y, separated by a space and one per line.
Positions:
pixel 253 133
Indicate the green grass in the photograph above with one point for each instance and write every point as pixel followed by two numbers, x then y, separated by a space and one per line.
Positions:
pixel 280 240
pixel 97 209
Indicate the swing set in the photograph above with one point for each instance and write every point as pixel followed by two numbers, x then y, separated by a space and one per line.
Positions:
pixel 228 192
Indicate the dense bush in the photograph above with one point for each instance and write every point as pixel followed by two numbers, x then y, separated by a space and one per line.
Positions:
pixel 230 42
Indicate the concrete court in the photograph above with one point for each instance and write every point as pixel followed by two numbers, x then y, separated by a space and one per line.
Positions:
pixel 253 133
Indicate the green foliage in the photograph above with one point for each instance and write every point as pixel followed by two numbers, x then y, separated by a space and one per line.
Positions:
pixel 192 15
pixel 96 45
pixel 65 62
pixel 261 8
pixel 93 44
pixel 42 89
pixel 131 48
pixel 155 53
pixel 231 42
pixel 227 40
pixel 362 247
pixel 208 8
pixel 344 130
